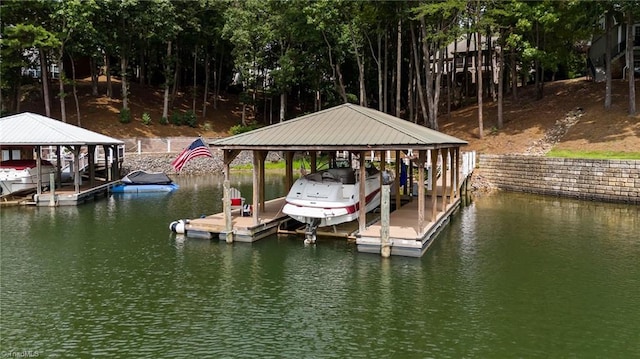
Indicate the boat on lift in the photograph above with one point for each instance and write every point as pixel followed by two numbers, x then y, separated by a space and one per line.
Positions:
pixel 142 182
pixel 330 197
pixel 18 176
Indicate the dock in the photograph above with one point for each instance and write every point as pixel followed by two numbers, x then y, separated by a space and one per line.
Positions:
pixel 67 195
pixel 244 228
pixel 405 237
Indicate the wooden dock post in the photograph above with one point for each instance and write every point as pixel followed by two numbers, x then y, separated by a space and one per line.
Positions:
pixel 385 210
pixel 226 204
pixel 52 189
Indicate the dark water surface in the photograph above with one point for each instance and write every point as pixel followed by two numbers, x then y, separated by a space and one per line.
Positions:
pixel 512 276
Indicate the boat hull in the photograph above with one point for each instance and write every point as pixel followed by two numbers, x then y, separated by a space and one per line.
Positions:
pixel 22 175
pixel 317 200
pixel 146 188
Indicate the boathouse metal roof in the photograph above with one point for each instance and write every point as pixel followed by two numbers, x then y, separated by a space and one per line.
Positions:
pixel 30 129
pixel 343 127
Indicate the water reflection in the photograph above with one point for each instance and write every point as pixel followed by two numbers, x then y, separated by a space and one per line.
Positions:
pixel 513 275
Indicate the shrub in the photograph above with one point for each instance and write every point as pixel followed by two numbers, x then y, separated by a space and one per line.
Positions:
pixel 237 129
pixel 146 118
pixel 164 121
pixel 189 119
pixel 125 115
pixel 176 118
pixel 207 126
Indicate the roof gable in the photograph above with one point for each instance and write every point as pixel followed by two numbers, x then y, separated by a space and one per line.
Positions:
pixel 346 126
pixel 32 129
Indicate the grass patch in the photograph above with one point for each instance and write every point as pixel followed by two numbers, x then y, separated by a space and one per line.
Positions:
pixel 596 155
pixel 280 165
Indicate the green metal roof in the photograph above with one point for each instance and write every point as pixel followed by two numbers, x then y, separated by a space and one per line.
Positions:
pixel 343 127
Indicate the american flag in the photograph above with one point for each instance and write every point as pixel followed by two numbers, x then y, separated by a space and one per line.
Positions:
pixel 196 149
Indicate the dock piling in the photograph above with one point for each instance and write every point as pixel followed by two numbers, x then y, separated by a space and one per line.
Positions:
pixel 385 210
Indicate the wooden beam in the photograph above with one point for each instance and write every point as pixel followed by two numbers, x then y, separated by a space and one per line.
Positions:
pixel 262 158
pixel 454 176
pixel 457 172
pixel 445 170
pixel 288 160
pixel 397 180
pixel 38 169
pixel 256 187
pixel 92 165
pixel 434 184
pixel 314 161
pixel 421 194
pixel 230 155
pixel 226 202
pixel 76 168
pixel 385 209
pixel 362 218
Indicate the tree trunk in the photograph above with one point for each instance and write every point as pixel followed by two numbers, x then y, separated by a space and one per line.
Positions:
pixel 94 77
pixel 341 88
pixel 123 77
pixel 416 62
pixel 61 94
pixel 360 62
pixel 433 94
pixel 217 80
pixel 283 106
pixel 630 63
pixel 207 69
pixel 18 94
pixel 491 53
pixel 107 70
pixel 514 76
pixel 500 84
pixel 335 68
pixel 479 84
pixel 195 78
pixel 380 74
pixel 607 59
pixel 411 90
pixel 385 71
pixel 398 68
pixel 75 89
pixel 45 83
pixel 143 69
pixel 167 83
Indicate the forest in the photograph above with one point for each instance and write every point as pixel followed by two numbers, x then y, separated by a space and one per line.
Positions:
pixel 412 59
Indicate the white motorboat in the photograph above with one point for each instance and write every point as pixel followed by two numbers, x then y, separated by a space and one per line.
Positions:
pixel 22 175
pixel 330 197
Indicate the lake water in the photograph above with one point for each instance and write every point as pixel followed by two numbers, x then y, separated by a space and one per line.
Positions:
pixel 513 275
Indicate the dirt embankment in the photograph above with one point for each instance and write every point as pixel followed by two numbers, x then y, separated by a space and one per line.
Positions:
pixel 570 116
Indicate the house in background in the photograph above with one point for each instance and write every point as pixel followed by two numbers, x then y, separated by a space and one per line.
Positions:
pixel 460 62
pixel 596 56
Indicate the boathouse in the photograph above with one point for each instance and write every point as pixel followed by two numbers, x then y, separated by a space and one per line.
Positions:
pixel 28 134
pixel 408 230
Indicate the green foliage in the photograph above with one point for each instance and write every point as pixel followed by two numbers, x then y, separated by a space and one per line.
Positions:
pixel 164 121
pixel 207 126
pixel 352 98
pixel 237 129
pixel 176 118
pixel 125 115
pixel 189 119
pixel 146 118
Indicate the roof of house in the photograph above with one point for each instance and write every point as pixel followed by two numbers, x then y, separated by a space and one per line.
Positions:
pixel 343 127
pixel 30 129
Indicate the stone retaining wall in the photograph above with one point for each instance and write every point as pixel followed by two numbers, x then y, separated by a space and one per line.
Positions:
pixel 603 180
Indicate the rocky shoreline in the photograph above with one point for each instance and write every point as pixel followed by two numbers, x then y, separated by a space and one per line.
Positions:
pixel 153 162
